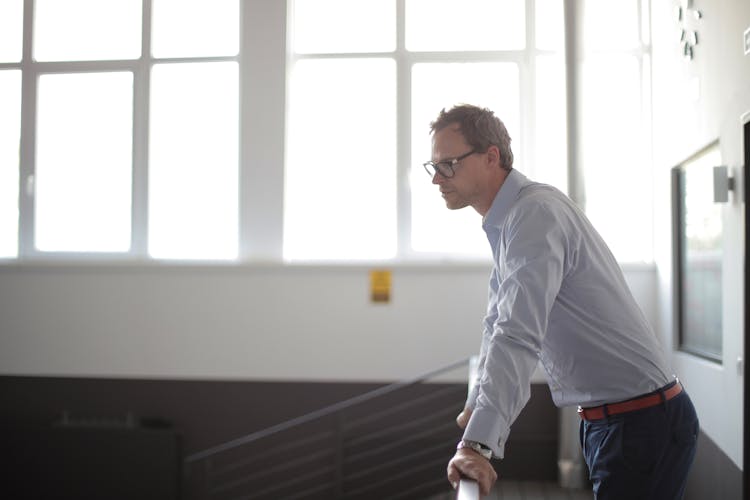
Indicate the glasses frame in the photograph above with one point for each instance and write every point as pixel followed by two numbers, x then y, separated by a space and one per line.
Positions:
pixel 446 168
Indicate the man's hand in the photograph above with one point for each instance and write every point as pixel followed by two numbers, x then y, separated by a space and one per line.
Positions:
pixel 469 463
pixel 463 418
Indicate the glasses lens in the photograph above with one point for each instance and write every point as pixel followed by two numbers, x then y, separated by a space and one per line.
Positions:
pixel 443 168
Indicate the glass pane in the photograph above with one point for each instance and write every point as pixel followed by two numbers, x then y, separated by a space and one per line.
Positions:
pixel 340 196
pixel 447 25
pixel 344 26
pixel 10 137
pixel 550 25
pixel 443 85
pixel 193 162
pixel 701 254
pixel 77 30
pixel 84 162
pixel 550 162
pixel 610 25
pixel 195 28
pixel 11 30
pixel 616 150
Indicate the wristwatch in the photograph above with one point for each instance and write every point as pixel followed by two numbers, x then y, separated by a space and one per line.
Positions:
pixel 478 447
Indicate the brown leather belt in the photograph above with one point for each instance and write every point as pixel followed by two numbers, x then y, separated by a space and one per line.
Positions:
pixel 653 399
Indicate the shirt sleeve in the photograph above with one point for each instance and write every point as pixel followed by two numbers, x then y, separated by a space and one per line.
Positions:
pixel 488 327
pixel 529 258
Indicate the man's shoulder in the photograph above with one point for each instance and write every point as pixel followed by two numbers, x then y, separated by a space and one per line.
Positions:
pixel 540 196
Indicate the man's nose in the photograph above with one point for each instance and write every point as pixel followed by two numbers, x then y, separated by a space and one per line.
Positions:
pixel 437 178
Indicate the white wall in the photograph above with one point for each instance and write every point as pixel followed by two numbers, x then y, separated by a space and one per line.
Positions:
pixel 696 103
pixel 244 322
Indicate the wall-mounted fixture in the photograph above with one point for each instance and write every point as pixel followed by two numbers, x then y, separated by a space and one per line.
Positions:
pixel 723 183
pixel 688 18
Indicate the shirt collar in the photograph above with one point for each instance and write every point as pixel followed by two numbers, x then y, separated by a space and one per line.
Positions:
pixel 505 198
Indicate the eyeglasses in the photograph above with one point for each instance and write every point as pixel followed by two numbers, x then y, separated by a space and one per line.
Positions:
pixel 446 168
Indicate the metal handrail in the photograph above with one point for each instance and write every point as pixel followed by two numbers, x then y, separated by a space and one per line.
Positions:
pixel 314 415
pixel 393 446
pixel 380 467
pixel 279 449
pixel 400 428
pixel 468 489
pixel 406 473
pixel 375 417
pixel 267 472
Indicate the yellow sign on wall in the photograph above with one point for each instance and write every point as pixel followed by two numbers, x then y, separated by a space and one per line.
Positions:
pixel 380 286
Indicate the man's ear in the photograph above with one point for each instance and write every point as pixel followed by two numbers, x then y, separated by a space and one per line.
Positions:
pixel 493 156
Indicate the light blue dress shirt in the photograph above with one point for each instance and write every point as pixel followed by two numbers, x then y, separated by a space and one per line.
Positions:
pixel 556 296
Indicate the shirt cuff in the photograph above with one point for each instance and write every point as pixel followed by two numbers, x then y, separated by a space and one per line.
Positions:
pixel 487 427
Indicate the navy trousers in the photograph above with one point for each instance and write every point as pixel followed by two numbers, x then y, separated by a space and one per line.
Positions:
pixel 644 454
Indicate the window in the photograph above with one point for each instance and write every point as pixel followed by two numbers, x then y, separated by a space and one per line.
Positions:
pixel 86 30
pixel 193 148
pixel 698 243
pixel 133 149
pixel 368 76
pixel 10 136
pixel 11 36
pixel 615 126
pixel 83 160
pixel 341 177
pixel 295 130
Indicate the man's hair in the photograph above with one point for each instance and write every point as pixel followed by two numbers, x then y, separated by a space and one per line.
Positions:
pixel 481 129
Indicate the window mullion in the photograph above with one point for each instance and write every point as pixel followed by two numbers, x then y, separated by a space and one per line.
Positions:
pixel 263 51
pixel 141 99
pixel 573 33
pixel 528 90
pixel 403 139
pixel 29 81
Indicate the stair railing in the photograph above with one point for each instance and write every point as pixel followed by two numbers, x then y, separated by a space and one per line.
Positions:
pixel 226 480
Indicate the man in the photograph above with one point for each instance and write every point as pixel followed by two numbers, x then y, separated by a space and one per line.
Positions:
pixel 557 296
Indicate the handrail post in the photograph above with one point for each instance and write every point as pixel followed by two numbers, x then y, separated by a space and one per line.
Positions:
pixel 338 443
pixel 195 480
pixel 206 490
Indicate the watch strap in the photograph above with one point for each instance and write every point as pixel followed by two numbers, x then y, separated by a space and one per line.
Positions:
pixel 477 447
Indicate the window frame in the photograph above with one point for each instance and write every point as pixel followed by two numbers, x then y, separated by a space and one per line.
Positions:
pixel 689 337
pixel 265 58
pixel 31 71
pixel 524 147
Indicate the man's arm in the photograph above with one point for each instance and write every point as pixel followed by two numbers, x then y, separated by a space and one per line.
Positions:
pixel 488 325
pixel 529 277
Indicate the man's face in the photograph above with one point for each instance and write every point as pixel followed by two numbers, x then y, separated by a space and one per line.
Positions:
pixel 465 187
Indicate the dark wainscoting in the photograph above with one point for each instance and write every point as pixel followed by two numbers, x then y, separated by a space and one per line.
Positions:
pixel 192 415
pixel 713 474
